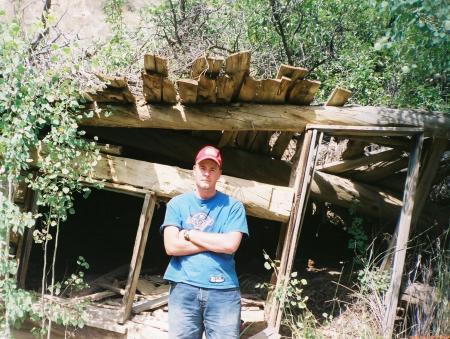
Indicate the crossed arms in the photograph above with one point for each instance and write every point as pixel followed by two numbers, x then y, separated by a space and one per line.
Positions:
pixel 199 241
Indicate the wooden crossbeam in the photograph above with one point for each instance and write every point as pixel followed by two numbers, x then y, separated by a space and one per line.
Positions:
pixel 338 97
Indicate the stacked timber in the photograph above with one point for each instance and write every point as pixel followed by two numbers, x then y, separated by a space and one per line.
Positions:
pixel 157 87
pixel 116 91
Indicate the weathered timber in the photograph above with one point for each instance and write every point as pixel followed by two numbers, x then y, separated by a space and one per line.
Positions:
pixel 353 149
pixel 169 94
pixel 155 64
pixel 206 65
pixel 96 296
pixel 292 72
pixel 344 192
pixel 238 66
pixel 225 88
pixel 112 81
pixel 110 149
pixel 338 97
pixel 399 143
pixel 187 89
pixel 260 200
pixel 152 87
pixel 181 148
pixel 148 305
pixel 206 92
pixel 303 92
pixel 342 166
pixel 381 170
pixel 272 91
pixel 265 117
pixel 281 143
pixel 111 95
pixel 248 89
pixel 260 143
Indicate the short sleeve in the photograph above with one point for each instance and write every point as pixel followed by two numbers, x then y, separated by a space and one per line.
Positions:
pixel 237 220
pixel 172 217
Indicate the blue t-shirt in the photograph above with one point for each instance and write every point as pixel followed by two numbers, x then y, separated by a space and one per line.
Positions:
pixel 219 214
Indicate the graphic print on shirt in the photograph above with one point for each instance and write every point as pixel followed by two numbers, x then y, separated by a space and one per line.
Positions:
pixel 200 221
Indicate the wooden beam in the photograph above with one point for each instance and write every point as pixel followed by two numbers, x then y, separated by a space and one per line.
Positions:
pixel 155 64
pixel 148 305
pixel 152 87
pixel 303 92
pixel 260 200
pixel 187 88
pixel 292 72
pixel 341 166
pixel 264 117
pixel 401 241
pixel 138 255
pixel 206 65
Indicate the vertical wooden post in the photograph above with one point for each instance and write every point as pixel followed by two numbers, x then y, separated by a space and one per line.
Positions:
pixel 404 224
pixel 302 183
pixel 27 240
pixel 138 254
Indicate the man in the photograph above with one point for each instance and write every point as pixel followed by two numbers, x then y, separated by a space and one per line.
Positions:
pixel 202 231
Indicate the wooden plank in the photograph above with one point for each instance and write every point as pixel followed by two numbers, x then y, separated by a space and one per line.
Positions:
pixel 152 87
pixel 404 224
pixel 155 64
pixel 169 94
pixel 138 255
pixel 272 91
pixel 95 296
pixel 187 89
pixel 366 130
pixel 261 200
pixel 148 305
pixel 238 62
pixel 338 97
pixel 248 89
pixel 111 95
pixel 384 141
pixel 292 72
pixel 225 88
pixel 381 170
pixel 303 178
pixel 303 92
pixel 206 92
pixel 263 117
pixel 341 166
pixel 109 287
pixel 206 65
pixel 281 143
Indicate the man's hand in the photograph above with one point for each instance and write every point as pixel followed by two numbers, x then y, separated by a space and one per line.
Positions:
pixel 227 243
pixel 175 244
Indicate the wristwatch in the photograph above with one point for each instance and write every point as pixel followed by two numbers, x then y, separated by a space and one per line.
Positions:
pixel 187 235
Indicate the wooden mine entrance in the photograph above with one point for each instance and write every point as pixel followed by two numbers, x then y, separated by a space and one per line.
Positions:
pixel 304 172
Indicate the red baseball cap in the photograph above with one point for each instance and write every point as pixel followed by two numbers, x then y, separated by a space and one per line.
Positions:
pixel 209 152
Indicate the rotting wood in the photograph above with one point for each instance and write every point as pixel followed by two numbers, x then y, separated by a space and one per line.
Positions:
pixel 272 91
pixel 103 278
pixel 109 287
pixel 338 97
pixel 148 288
pixel 148 305
pixel 96 296
pixel 206 92
pixel 225 88
pixel 238 66
pixel 138 255
pixel 342 166
pixel 292 72
pixel 403 226
pixel 111 95
pixel 183 148
pixel 206 65
pixel 261 200
pixel 155 64
pixel 366 130
pixel 152 87
pixel 169 94
pixel 248 89
pixel 303 92
pixel 187 89
pixel 264 117
pixel 381 170
pixel 384 141
pixel 283 140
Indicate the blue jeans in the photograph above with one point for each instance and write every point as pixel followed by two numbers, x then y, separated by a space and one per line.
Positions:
pixel 193 310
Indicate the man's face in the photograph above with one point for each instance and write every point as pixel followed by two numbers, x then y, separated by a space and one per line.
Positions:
pixel 206 174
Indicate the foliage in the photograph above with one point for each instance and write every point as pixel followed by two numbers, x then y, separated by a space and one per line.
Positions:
pixel 40 107
pixel 358 240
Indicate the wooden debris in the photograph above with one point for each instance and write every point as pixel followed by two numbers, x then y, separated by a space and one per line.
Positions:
pixel 292 72
pixel 381 170
pixel 281 143
pixel 338 97
pixel 206 65
pixel 96 296
pixel 110 149
pixel 148 288
pixel 116 91
pixel 206 92
pixel 303 92
pixel 238 66
pixel 187 89
pixel 148 305
pixel 155 64
pixel 152 87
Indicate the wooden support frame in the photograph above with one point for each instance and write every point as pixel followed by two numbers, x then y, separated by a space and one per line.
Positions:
pixel 305 169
